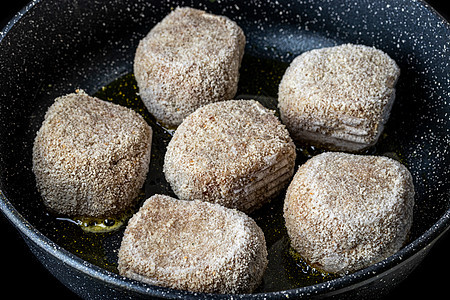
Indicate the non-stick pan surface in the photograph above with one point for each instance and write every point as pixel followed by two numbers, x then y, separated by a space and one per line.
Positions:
pixel 59 46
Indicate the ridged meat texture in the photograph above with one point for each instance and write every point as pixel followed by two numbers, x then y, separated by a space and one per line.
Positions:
pixel 338 97
pixel 235 153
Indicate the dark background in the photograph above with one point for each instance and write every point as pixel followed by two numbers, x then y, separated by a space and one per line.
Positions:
pixel 22 276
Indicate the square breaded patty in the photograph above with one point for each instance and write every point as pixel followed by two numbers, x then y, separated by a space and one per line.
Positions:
pixel 90 157
pixel 193 245
pixel 344 212
pixel 338 97
pixel 235 153
pixel 189 59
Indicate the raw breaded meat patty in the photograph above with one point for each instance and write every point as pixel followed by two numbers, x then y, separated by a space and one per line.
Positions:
pixel 90 157
pixel 338 97
pixel 344 212
pixel 187 60
pixel 193 245
pixel 235 153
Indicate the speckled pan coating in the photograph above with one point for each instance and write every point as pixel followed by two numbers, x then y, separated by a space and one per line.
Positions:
pixel 344 212
pixel 339 97
pixel 193 245
pixel 189 59
pixel 90 157
pixel 235 153
pixel 42 58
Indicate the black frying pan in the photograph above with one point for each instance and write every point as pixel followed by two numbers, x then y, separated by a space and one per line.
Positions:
pixel 58 46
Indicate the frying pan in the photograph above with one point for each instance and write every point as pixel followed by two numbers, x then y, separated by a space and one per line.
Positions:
pixel 53 47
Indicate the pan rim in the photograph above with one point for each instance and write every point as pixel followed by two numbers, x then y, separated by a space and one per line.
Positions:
pixel 336 286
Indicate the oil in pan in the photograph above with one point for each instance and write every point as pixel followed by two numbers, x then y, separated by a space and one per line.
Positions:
pixel 98 240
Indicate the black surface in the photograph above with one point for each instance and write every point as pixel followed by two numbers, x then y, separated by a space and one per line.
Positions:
pixel 26 278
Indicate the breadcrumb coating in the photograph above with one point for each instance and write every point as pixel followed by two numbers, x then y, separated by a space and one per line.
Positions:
pixel 193 245
pixel 189 59
pixel 90 157
pixel 235 153
pixel 338 97
pixel 344 212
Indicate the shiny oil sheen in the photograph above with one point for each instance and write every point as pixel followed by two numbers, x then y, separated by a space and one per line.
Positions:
pixel 98 240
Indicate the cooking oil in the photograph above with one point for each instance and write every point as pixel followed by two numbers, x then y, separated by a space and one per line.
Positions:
pixel 98 240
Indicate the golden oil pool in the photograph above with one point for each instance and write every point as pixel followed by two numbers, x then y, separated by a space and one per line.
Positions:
pixel 98 240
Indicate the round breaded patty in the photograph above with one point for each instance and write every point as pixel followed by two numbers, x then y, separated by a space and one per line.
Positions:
pixel 235 153
pixel 338 97
pixel 344 212
pixel 189 59
pixel 90 157
pixel 193 245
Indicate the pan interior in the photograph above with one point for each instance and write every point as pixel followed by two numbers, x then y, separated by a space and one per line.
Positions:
pixel 90 45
